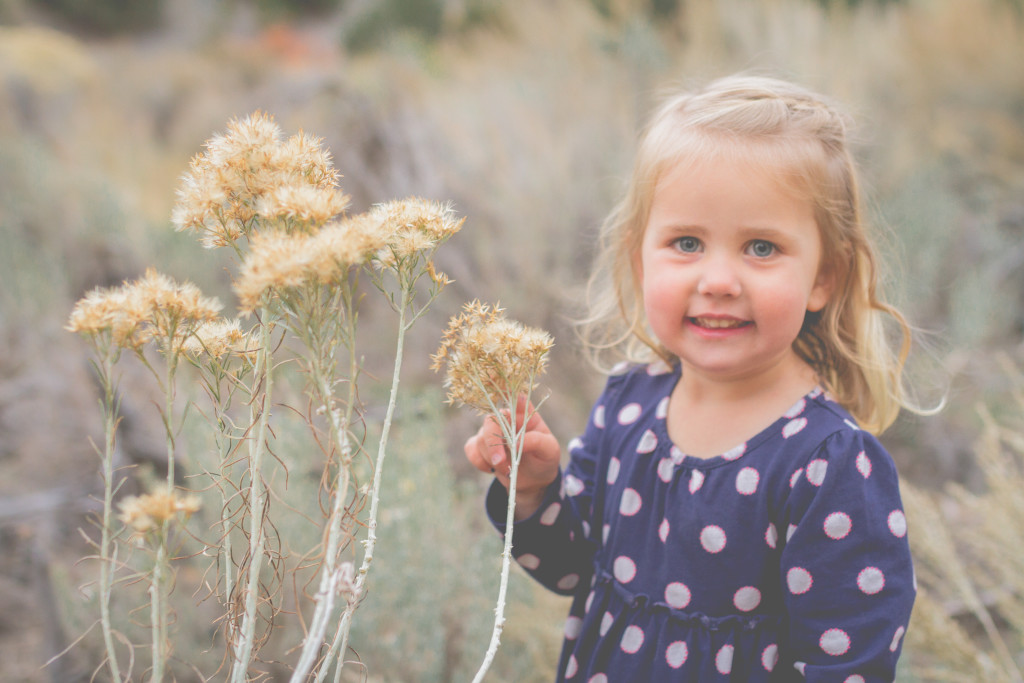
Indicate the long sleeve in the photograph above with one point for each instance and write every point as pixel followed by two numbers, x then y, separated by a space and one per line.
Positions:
pixel 846 569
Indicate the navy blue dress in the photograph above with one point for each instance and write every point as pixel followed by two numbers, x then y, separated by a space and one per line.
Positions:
pixel 784 559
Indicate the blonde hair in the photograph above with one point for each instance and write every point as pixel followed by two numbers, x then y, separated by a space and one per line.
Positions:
pixel 801 139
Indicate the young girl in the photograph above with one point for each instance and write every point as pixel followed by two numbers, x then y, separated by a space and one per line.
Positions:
pixel 728 515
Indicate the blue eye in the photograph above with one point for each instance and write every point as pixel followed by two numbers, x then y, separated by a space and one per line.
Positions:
pixel 761 248
pixel 688 245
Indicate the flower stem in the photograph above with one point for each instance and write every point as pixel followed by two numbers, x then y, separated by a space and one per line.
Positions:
pixel 257 500
pixel 107 554
pixel 340 643
pixel 515 441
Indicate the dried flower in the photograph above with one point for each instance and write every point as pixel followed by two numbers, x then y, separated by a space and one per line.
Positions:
pixel 490 360
pixel 149 511
pixel 219 338
pixel 116 311
pixel 414 225
pixel 307 203
pixel 278 261
pixel 251 171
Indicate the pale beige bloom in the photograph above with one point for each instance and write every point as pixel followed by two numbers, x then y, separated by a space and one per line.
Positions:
pixel 276 260
pixel 415 225
pixel 250 171
pixel 218 338
pixel 490 360
pixel 149 511
pixel 305 202
pixel 116 311
pixel 175 309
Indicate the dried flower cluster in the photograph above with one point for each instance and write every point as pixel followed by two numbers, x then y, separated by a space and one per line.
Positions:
pixel 149 511
pixel 490 360
pixel 153 307
pixel 281 260
pixel 219 338
pixel 252 171
pixel 415 225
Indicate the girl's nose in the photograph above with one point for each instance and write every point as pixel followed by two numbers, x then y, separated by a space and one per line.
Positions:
pixel 718 278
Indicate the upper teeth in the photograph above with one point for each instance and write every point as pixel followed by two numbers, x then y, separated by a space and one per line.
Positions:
pixel 718 322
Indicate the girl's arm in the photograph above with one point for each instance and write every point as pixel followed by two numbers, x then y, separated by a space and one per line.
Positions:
pixel 846 570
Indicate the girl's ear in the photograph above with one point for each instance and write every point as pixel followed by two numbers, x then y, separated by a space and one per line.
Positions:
pixel 821 292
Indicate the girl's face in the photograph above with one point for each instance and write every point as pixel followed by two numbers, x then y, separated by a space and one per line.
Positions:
pixel 729 266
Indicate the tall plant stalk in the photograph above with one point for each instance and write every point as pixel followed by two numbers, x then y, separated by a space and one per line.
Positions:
pixel 108 553
pixel 260 411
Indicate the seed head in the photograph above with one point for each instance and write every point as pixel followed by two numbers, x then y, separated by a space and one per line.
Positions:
pixel 414 225
pixel 149 511
pixel 490 360
pixel 250 171
pixel 219 338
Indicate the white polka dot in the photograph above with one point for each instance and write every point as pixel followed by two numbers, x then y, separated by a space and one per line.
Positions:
pixel 598 678
pixel 677 455
pixel 648 442
pixel 676 654
pixel 528 561
pixel 816 471
pixel 796 409
pixel 794 426
pixel 663 529
pixel 712 538
pixel 629 413
pixel 838 525
pixel 631 502
pixel 632 639
pixel 898 523
pixel 586 529
pixel 855 678
pixel 573 627
pixel 790 530
pixel 795 477
pixel 746 481
pixel 624 569
pixel 613 470
pixel 573 485
pixel 549 515
pixel 864 464
pixel 770 657
pixel 666 468
pixel 723 659
pixel 662 410
pixel 871 580
pixel 799 580
pixel 771 536
pixel 599 417
pixel 835 642
pixel 800 666
pixel 696 480
pixel 568 582
pixel 572 667
pixel 605 530
pixel 606 623
pixel 895 644
pixel 735 452
pixel 746 599
pixel 589 603
pixel 677 595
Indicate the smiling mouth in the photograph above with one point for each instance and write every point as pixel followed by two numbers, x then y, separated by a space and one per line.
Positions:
pixel 719 323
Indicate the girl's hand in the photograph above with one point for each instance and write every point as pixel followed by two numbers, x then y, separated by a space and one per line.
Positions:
pixel 488 452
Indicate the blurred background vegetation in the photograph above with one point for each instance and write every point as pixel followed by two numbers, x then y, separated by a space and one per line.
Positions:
pixel 524 115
